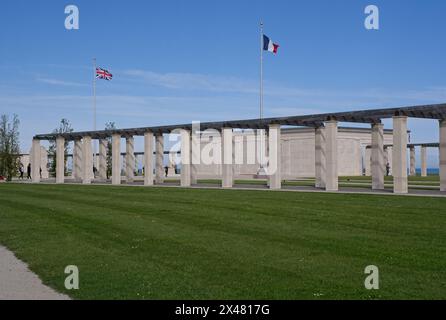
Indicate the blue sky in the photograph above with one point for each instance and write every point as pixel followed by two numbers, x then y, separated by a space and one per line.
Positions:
pixel 179 61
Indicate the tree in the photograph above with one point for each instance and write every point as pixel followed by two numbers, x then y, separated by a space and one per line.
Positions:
pixel 9 146
pixel 109 126
pixel 64 127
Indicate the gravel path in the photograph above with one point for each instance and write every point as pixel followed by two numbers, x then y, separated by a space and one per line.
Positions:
pixel 17 282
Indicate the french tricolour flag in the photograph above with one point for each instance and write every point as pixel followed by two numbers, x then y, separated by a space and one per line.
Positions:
pixel 268 45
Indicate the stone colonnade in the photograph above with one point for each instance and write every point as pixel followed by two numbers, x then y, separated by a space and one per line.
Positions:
pixel 326 157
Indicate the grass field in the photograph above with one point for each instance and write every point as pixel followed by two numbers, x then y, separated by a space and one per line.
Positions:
pixel 157 243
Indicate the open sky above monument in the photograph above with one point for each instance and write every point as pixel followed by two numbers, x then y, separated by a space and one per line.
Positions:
pixel 175 63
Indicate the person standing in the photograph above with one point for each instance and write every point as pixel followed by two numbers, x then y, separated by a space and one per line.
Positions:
pixel 29 171
pixel 21 170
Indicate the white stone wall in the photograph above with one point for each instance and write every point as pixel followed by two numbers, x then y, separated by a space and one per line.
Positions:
pixel 298 156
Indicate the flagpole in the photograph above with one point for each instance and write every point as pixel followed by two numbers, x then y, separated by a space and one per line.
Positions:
pixel 261 99
pixel 94 110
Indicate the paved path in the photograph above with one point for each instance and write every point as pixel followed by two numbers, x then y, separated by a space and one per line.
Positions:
pixel 413 192
pixel 17 282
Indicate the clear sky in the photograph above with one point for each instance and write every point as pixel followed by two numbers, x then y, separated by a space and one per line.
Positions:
pixel 179 61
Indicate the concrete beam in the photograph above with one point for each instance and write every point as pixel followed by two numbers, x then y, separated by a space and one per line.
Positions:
pixel 35 161
pixel 331 140
pixel 442 155
pixel 60 160
pixel 87 160
pixel 159 159
pixel 399 155
pixel 148 159
pixel 116 159
pixel 274 156
pixel 377 165
pixel 423 161
pixel 130 159
pixel 185 158
pixel 227 156
pixel 103 143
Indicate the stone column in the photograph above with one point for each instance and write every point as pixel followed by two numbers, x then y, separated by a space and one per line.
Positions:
pixel 227 157
pixel 423 161
pixel 399 155
pixel 412 170
pixel 386 157
pixel 35 161
pixel 44 163
pixel 195 156
pixel 377 165
pixel 60 160
pixel 319 156
pixel 87 160
pixel 331 140
pixel 116 159
pixel 77 159
pixel 390 159
pixel 159 159
pixel 274 156
pixel 442 154
pixel 130 159
pixel 185 158
pixel 103 159
pixel 148 159
pixel 368 162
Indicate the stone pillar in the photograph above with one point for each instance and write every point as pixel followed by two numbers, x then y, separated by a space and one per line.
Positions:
pixel 274 156
pixel 185 158
pixel 44 163
pixel 116 159
pixel 389 159
pixel 60 160
pixel 35 161
pixel 130 159
pixel 123 165
pixel 368 162
pixel 412 170
pixel 423 161
pixel 377 165
pixel 87 160
pixel 399 155
pixel 442 154
pixel 103 159
pixel 77 159
pixel 159 159
pixel 319 156
pixel 386 158
pixel 331 149
pixel 148 159
pixel 227 156
pixel 195 156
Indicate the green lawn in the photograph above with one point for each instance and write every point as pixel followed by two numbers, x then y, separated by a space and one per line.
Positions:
pixel 157 243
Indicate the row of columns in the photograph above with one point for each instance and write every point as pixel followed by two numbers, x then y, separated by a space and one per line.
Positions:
pixel 326 169
pixel 326 157
pixel 412 161
pixel 412 165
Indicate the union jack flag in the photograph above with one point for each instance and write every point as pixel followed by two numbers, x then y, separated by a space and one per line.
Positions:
pixel 103 74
